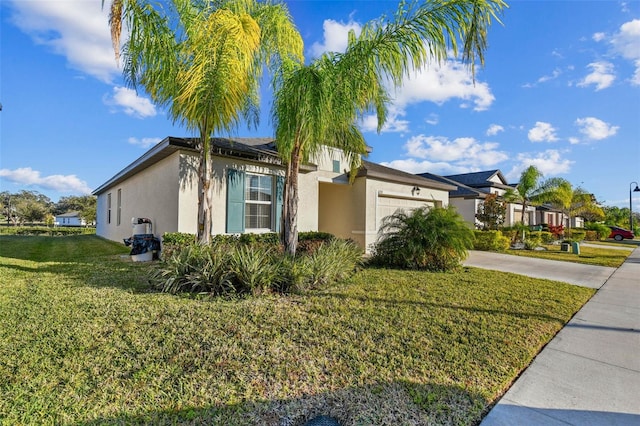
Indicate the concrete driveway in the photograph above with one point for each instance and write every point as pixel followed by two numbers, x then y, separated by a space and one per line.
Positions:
pixel 572 273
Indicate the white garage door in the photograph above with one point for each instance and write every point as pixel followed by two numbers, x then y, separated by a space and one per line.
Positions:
pixel 389 205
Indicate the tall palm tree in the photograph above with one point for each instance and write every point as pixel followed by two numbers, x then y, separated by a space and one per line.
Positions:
pixel 317 105
pixel 527 191
pixel 202 60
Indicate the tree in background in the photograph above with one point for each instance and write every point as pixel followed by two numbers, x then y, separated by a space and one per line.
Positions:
pixel 25 206
pixel 527 191
pixel 318 105
pixel 83 204
pixel 202 60
pixel 492 212
pixel 571 201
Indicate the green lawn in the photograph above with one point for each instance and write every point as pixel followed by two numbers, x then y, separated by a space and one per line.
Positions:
pixel 83 342
pixel 588 255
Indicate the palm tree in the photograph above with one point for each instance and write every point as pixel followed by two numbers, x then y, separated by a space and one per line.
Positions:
pixel 527 191
pixel 571 201
pixel 202 60
pixel 317 105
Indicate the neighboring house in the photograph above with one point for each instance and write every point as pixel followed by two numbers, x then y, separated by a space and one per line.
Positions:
pixel 162 185
pixel 70 219
pixel 555 217
pixel 473 189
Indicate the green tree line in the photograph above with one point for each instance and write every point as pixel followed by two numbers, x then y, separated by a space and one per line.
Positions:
pixel 31 207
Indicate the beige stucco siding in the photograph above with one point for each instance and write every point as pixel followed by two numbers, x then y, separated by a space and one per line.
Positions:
pixel 151 193
pixel 341 210
pixel 467 208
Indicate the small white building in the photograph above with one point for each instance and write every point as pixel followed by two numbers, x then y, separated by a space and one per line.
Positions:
pixel 70 219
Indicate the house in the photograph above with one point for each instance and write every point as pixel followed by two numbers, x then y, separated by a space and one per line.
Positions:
pixel 473 189
pixel 552 216
pixel 69 219
pixel 247 187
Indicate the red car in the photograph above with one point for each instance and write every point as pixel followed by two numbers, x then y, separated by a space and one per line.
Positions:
pixel 620 234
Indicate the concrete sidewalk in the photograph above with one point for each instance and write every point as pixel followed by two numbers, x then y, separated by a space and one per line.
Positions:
pixel 589 374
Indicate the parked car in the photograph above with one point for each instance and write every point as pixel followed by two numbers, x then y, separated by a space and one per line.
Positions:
pixel 620 234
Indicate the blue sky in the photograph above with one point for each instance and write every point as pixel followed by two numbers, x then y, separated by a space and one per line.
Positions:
pixel 560 90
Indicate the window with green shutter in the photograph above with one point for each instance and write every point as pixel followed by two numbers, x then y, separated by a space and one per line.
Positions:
pixel 254 202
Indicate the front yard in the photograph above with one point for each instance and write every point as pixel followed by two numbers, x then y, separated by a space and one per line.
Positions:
pixel 599 256
pixel 83 341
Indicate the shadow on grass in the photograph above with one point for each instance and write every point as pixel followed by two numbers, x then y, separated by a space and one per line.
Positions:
pixel 395 403
pixel 392 302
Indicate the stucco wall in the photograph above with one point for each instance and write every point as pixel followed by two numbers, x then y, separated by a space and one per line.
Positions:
pixel 341 210
pixel 152 193
pixel 467 208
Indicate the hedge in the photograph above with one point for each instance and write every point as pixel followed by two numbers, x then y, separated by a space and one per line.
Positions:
pixel 491 241
pixel 43 230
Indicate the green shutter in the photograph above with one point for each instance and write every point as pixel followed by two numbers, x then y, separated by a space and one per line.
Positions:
pixel 235 201
pixel 279 201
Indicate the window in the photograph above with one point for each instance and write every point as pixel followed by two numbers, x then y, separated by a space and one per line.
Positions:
pixel 119 212
pixel 257 212
pixel 254 202
pixel 109 208
pixel 336 166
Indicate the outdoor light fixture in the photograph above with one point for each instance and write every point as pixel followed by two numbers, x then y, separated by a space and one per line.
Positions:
pixel 631 205
pixel 416 191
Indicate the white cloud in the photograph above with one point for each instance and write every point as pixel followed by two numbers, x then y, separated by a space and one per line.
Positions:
pixel 601 75
pixel 29 177
pixel 77 30
pixel 433 119
pixel 598 36
pixel 555 74
pixel 129 101
pixel 439 84
pixel 464 152
pixel 549 162
pixel 627 43
pixel 412 166
pixel 394 123
pixel 542 132
pixel 595 129
pixel 335 36
pixel 494 129
pixel 144 142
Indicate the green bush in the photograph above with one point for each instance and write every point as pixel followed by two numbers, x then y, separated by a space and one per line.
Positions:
pixel 491 241
pixel 546 237
pixel 602 231
pixel 230 265
pixel 435 239
pixel 44 230
pixel 575 234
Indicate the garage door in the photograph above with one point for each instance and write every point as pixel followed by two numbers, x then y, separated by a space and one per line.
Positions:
pixel 389 205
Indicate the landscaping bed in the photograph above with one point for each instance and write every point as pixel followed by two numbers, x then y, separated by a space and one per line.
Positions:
pixel 83 340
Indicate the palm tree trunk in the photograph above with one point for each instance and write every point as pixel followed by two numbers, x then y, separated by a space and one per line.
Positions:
pixel 204 192
pixel 290 204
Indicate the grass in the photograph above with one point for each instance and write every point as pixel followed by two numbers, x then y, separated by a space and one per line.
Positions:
pixel 83 342
pixel 588 255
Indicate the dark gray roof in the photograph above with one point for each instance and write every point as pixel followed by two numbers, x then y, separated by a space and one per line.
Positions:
pixel 256 149
pixel 480 179
pixel 379 171
pixel 462 191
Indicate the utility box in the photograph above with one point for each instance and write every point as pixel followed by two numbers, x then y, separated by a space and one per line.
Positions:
pixel 575 247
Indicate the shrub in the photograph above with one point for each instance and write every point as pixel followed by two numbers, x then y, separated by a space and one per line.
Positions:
pixel 231 264
pixel 331 262
pixel 591 236
pixel 546 237
pixel 435 239
pixel 43 230
pixel 491 241
pixel 602 231
pixel 575 234
pixel 194 268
